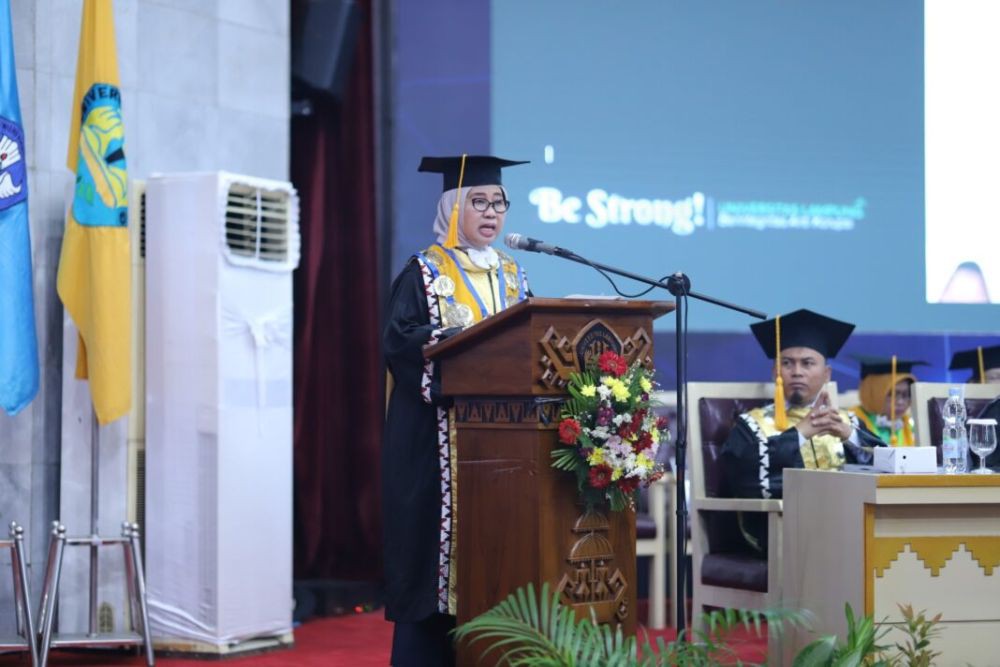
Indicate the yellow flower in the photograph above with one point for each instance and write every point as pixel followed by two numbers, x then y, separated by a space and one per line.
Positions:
pixel 646 385
pixel 643 462
pixel 588 390
pixel 618 388
pixel 596 456
pixel 620 391
pixel 654 433
pixel 616 474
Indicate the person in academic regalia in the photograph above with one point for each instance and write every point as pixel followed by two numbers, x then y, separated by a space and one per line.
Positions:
pixel 984 362
pixel 885 397
pixel 451 285
pixel 801 429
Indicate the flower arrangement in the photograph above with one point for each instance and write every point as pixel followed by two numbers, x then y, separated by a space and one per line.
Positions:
pixel 609 434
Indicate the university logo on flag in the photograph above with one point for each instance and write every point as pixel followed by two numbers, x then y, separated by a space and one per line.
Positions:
pixel 13 186
pixel 101 182
pixel 18 342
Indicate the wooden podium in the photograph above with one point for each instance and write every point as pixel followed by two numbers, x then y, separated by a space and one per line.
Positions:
pixel 872 540
pixel 518 519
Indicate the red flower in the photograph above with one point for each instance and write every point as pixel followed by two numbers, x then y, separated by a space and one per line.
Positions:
pixel 569 430
pixel 628 484
pixel 645 441
pixel 613 363
pixel 625 431
pixel 600 476
pixel 637 418
pixel 662 423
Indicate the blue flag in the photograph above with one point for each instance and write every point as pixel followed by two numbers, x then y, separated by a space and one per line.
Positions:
pixel 18 345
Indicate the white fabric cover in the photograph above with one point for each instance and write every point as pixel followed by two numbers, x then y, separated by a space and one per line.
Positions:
pixel 219 421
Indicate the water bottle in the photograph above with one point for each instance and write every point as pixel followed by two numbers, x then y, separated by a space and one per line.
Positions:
pixel 954 444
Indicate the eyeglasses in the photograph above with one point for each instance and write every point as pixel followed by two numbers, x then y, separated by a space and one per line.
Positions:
pixel 499 205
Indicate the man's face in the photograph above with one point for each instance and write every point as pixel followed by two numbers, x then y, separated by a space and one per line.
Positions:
pixel 803 372
pixel 903 398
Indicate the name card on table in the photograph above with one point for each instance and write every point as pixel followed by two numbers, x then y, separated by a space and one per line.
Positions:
pixel 906 460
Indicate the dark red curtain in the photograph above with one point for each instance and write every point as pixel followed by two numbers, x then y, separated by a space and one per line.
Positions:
pixel 338 381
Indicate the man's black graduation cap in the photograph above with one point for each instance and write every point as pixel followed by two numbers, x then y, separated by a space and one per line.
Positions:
pixel 970 359
pixel 479 169
pixel 803 328
pixel 871 365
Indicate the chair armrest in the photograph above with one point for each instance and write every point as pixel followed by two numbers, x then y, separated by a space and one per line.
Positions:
pixel 737 504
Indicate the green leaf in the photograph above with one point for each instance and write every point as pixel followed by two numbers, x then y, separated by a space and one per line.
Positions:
pixel 817 654
pixel 566 458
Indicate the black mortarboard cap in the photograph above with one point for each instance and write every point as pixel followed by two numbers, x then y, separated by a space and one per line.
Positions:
pixel 803 328
pixel 970 359
pixel 871 365
pixel 479 169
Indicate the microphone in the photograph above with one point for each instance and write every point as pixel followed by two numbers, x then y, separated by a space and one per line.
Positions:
pixel 518 242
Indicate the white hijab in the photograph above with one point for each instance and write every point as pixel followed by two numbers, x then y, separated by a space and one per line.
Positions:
pixel 485 257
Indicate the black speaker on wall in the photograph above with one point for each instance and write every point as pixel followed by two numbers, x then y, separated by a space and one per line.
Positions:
pixel 323 44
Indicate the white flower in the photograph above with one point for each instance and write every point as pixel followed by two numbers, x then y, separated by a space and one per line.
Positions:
pixel 604 392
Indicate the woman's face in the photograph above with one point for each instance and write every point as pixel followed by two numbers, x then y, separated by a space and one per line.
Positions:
pixel 902 399
pixel 483 227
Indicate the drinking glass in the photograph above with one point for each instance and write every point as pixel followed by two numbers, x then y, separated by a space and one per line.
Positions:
pixel 982 441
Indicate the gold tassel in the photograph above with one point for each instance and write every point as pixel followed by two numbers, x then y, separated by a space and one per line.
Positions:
pixel 982 366
pixel 780 418
pixel 893 440
pixel 452 240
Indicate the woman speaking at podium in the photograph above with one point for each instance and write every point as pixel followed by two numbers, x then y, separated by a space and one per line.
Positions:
pixel 451 285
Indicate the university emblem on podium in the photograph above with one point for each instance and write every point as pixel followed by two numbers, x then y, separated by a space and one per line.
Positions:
pixel 562 355
pixel 13 186
pixel 594 582
pixel 594 340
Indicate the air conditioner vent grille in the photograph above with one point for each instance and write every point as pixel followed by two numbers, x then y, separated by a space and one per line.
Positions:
pixel 258 223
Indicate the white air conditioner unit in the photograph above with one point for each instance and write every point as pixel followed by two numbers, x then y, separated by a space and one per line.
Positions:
pixel 220 250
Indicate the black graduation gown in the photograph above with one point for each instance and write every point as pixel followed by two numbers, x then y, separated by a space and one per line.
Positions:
pixel 411 473
pixel 742 463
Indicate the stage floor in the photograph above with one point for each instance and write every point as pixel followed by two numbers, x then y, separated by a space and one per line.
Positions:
pixel 360 640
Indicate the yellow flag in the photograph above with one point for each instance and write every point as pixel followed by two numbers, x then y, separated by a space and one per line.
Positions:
pixel 94 279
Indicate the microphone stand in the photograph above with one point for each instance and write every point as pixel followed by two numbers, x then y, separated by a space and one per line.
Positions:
pixel 680 286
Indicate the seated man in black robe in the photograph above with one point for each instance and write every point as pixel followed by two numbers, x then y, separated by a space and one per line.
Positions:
pixel 801 429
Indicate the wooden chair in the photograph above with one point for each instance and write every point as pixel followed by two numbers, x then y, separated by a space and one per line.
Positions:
pixel 655 539
pixel 724 571
pixel 848 399
pixel 929 398
pixel 723 574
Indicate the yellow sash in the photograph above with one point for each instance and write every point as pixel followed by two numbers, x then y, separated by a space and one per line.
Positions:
pixel 473 285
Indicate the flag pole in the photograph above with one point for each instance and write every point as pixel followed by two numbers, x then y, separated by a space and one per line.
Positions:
pixel 95 474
